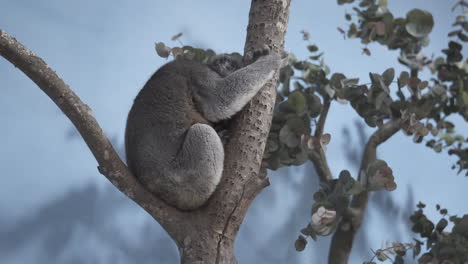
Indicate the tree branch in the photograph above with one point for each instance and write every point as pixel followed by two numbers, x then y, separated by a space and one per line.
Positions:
pixel 317 155
pixel 342 240
pixel 322 118
pixel 110 165
pixel 319 159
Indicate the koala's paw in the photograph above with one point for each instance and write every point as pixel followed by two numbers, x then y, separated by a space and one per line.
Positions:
pixel 284 58
pixel 254 55
pixel 263 51
pixel 280 59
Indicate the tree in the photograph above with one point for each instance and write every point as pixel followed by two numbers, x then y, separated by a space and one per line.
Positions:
pixel 206 235
pixel 209 234
pixel 340 204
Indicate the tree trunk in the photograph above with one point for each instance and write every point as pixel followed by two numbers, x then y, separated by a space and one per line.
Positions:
pixel 207 248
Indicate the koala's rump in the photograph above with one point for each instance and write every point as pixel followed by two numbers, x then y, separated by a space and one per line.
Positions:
pixel 162 113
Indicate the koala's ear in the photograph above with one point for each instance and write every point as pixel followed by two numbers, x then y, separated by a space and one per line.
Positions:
pixel 211 59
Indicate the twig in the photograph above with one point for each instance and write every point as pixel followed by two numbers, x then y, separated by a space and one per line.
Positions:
pixel 317 155
pixel 322 118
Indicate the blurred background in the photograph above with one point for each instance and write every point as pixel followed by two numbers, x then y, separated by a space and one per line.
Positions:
pixel 55 207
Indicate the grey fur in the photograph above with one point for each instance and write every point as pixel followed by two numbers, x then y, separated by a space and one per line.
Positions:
pixel 170 144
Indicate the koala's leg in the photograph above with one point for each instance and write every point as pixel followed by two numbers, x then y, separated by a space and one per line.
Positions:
pixel 229 95
pixel 198 167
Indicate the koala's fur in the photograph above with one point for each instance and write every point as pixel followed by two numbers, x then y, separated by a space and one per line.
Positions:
pixel 170 144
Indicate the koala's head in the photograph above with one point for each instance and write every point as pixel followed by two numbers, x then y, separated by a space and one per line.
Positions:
pixel 225 64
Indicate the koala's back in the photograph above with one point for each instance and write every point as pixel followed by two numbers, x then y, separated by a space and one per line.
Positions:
pixel 162 113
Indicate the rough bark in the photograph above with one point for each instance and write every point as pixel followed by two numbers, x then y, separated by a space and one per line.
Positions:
pixel 205 235
pixel 342 240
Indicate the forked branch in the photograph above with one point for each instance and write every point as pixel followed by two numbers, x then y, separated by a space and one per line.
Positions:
pixel 317 155
pixel 110 164
pixel 342 241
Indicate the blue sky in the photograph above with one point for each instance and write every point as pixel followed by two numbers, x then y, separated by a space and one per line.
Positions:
pixel 105 51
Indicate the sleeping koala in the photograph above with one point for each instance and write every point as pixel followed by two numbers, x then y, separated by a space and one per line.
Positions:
pixel 171 146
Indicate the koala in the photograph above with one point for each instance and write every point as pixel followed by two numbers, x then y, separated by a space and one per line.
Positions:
pixel 170 143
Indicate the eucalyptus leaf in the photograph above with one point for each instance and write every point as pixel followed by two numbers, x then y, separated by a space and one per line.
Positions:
pixel 314 105
pixel 423 85
pixel 438 148
pixel 312 48
pixel 349 82
pixel 388 76
pixel 162 50
pixel 290 133
pixel 419 23
pixel 316 57
pixel 378 82
pixel 300 243
pixel 463 37
pixel 336 80
pixel 403 79
pixel 383 2
pixel 298 101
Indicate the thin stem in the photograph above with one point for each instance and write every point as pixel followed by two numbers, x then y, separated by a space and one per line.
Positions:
pixel 322 118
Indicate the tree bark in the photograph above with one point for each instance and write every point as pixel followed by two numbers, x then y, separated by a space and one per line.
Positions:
pixel 207 234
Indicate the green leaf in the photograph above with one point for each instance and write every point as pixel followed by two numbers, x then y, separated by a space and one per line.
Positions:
pixel 449 140
pixel 290 133
pixel 417 248
pixel 162 50
pixel 312 48
pixel 383 2
pixel 378 82
pixel 419 23
pixel 403 79
pixel 454 33
pixel 300 243
pixel 314 105
pixel 388 76
pixel 441 225
pixel 352 31
pixel 316 57
pixel 352 82
pixel 462 37
pixel 423 85
pixel 459 138
pixel 335 80
pixel 298 101
pixel 286 107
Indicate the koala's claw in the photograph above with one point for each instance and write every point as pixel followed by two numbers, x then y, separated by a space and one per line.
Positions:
pixel 284 58
pixel 280 58
pixel 263 51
